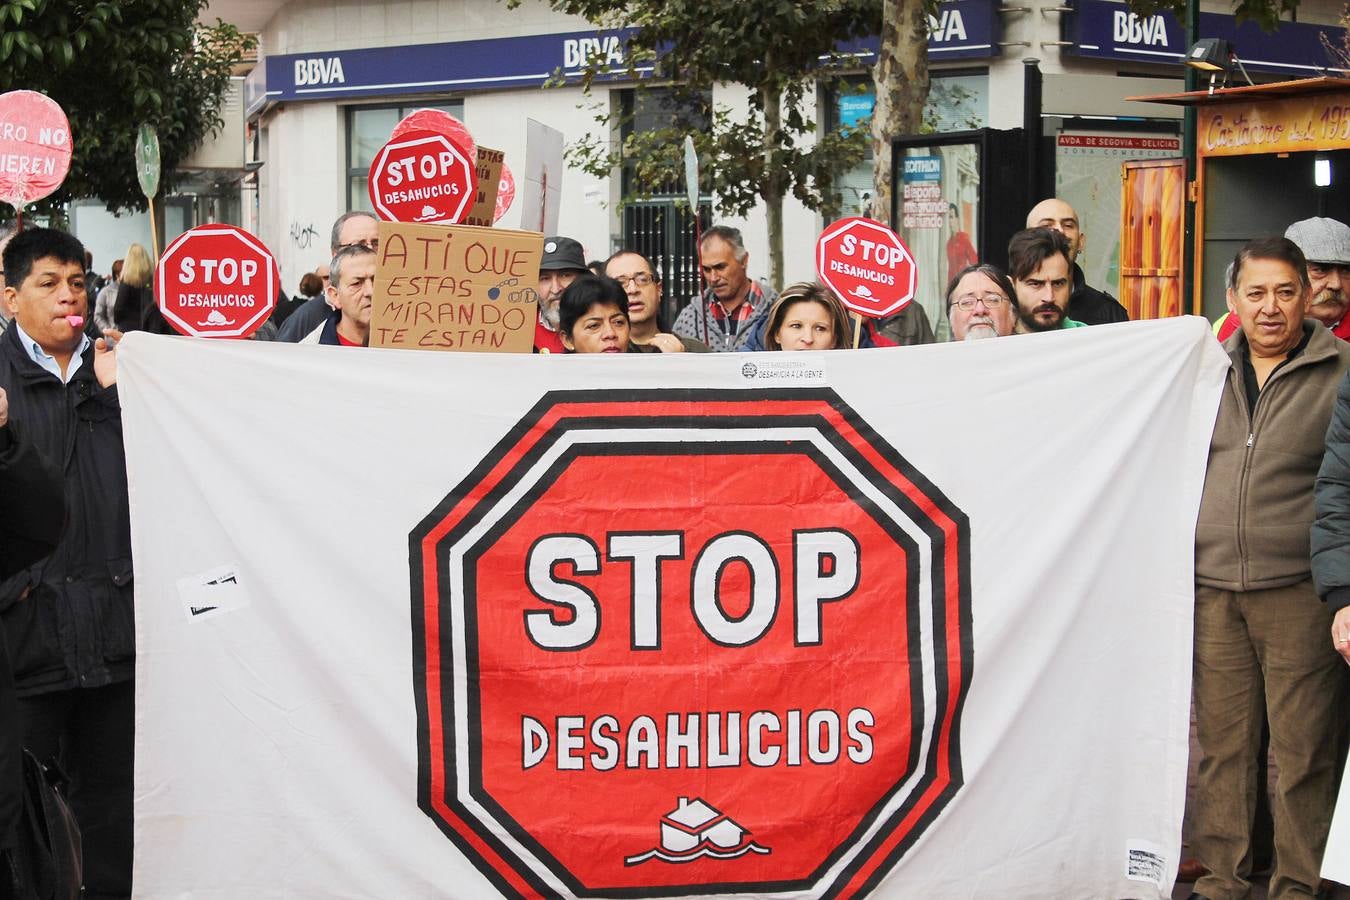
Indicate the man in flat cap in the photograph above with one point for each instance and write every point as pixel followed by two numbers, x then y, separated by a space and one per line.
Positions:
pixel 562 262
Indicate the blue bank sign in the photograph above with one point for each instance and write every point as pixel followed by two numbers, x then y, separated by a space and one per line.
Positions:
pixel 1108 30
pixel 960 29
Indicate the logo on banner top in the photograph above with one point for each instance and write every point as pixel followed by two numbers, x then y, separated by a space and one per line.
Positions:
pixel 216 281
pixel 693 674
pixel 35 146
pixel 867 266
pixel 422 176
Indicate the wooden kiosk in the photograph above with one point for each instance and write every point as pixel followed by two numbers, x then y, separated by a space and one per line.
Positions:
pixel 1266 156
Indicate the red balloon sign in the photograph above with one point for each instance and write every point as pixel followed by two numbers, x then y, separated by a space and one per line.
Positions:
pixel 438 122
pixel 867 265
pixel 35 147
pixel 506 193
pixel 422 176
pixel 217 281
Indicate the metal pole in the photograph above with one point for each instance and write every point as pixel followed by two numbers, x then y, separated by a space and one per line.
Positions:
pixel 1031 129
pixel 1188 149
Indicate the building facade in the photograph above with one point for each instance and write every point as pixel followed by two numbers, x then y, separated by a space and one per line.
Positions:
pixel 334 76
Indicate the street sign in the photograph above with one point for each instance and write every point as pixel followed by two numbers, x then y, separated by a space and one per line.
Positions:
pixel 797 726
pixel 867 266
pixel 147 160
pixel 691 174
pixel 217 281
pixel 35 145
pixel 423 177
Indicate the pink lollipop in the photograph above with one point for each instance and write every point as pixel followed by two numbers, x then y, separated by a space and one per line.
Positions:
pixel 506 193
pixel 75 321
pixel 441 123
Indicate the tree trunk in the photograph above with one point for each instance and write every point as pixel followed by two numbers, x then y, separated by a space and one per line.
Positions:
pixel 901 80
pixel 774 182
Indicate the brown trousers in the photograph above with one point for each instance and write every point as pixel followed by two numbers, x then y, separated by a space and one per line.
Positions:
pixel 1274 644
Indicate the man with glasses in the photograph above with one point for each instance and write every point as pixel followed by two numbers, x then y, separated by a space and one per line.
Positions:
pixel 356 228
pixel 980 305
pixel 639 280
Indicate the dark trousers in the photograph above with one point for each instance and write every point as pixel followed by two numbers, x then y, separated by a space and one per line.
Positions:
pixel 91 731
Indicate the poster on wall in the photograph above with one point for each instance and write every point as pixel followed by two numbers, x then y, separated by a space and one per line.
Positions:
pixel 939 219
pixel 1087 175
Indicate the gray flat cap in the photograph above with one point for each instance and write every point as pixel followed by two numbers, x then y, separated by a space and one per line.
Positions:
pixel 1322 240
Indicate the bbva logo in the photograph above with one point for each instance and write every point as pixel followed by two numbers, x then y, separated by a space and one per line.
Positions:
pixel 1131 29
pixel 319 71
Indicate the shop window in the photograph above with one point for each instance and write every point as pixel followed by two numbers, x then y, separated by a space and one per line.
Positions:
pixel 368 129
pixel 957 101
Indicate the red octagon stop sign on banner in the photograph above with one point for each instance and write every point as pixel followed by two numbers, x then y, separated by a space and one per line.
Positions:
pixel 631 685
pixel 217 281
pixel 421 176
pixel 867 265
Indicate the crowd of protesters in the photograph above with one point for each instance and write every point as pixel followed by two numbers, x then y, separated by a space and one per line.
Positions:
pixel 1272 607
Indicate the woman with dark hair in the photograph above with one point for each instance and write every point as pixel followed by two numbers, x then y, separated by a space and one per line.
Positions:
pixel 593 317
pixel 806 316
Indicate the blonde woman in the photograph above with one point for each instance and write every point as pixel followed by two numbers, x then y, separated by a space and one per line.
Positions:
pixel 133 292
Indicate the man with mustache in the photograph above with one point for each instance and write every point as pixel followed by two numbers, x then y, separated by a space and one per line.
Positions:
pixel 980 304
pixel 562 262
pixel 1086 304
pixel 1040 264
pixel 1326 244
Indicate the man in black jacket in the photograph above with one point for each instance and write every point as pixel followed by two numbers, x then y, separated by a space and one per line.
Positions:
pixel 1086 304
pixel 68 619
pixel 32 511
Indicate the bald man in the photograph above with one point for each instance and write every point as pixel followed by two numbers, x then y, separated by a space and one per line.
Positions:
pixel 1086 304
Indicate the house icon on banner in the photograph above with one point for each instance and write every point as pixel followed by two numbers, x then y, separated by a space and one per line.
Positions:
pixel 695 829
pixel 693 822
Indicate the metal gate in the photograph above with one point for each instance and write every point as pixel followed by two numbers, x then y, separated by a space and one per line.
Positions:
pixel 662 230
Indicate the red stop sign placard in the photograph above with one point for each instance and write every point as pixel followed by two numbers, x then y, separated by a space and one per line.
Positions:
pixel 424 177
pixel 35 146
pixel 217 281
pixel 867 265
pixel 654 685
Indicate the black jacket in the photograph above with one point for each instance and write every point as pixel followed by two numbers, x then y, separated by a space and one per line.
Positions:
pixel 304 320
pixel 32 511
pixel 1331 497
pixel 73 626
pixel 1091 306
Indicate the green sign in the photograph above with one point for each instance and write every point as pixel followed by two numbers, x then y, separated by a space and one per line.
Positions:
pixel 147 160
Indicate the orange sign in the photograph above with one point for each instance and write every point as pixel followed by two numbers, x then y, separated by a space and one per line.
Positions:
pixel 1318 122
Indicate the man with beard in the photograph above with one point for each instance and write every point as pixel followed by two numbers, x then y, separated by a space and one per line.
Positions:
pixel 980 304
pixel 562 262
pixel 1086 304
pixel 1040 264
pixel 637 277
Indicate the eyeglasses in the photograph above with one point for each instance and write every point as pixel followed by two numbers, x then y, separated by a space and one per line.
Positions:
pixel 372 244
pixel 641 279
pixel 967 303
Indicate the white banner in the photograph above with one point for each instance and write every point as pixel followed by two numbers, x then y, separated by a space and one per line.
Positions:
pixel 911 622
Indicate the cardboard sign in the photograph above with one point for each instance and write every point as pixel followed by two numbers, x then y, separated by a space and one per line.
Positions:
pixel 542 190
pixel 456 288
pixel 217 281
pixel 489 174
pixel 867 265
pixel 35 147
pixel 422 176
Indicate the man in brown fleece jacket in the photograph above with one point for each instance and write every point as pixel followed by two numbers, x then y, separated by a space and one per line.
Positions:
pixel 1260 628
